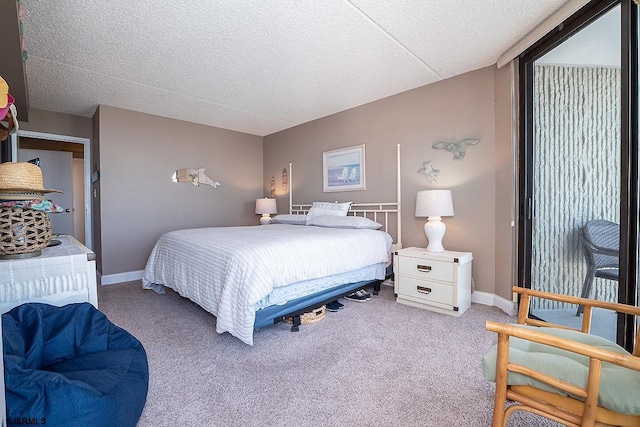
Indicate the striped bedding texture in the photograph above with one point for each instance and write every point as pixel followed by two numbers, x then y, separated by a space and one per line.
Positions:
pixel 227 270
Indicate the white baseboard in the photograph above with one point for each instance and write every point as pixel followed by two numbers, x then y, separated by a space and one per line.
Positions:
pixel 483 298
pixel 493 300
pixel 128 276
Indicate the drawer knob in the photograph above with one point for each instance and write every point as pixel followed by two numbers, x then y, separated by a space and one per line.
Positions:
pixel 423 290
pixel 424 268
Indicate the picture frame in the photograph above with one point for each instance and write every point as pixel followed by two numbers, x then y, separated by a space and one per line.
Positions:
pixel 343 169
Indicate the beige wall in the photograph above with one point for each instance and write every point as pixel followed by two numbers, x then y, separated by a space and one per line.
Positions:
pixel 138 201
pixel 95 191
pixel 448 111
pixel 57 124
pixel 505 257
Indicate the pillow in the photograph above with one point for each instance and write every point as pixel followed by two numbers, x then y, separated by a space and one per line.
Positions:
pixel 328 208
pixel 289 219
pixel 333 221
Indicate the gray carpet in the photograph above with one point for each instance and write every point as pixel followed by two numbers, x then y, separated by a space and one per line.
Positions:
pixel 375 363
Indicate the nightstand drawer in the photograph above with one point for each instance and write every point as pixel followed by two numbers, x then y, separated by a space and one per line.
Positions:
pixel 426 268
pixel 426 290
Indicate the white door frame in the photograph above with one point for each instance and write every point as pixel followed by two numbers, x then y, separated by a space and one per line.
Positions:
pixel 86 142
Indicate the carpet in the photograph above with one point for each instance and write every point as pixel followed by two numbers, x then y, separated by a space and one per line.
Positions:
pixel 375 363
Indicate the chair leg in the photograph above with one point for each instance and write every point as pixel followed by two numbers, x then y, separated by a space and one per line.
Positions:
pixel 586 288
pixel 500 398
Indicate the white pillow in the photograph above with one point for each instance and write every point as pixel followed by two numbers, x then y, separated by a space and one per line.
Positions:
pixel 289 219
pixel 333 221
pixel 328 208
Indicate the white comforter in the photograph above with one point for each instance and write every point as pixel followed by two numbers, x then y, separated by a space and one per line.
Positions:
pixel 227 270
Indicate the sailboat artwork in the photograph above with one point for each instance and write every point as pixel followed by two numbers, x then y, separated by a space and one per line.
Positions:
pixel 343 169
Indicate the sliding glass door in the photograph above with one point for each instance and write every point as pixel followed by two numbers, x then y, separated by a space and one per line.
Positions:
pixel 574 202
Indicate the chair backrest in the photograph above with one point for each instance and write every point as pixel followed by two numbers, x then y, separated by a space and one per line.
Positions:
pixel 602 234
pixel 601 241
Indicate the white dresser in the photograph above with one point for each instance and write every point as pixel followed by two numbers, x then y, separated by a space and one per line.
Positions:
pixel 63 274
pixel 434 281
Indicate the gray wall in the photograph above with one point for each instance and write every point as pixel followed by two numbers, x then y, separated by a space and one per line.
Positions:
pixel 138 200
pixel 57 123
pixel 448 111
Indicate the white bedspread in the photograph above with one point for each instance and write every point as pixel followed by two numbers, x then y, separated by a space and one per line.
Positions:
pixel 227 270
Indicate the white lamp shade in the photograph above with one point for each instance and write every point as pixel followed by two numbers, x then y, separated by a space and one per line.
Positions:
pixel 266 206
pixel 434 203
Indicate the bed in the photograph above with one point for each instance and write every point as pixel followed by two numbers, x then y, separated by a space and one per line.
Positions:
pixel 253 276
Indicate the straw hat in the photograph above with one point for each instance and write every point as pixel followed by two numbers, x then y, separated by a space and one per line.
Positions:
pixel 6 100
pixel 4 93
pixel 19 181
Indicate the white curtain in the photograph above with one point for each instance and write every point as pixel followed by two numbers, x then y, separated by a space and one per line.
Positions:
pixel 576 171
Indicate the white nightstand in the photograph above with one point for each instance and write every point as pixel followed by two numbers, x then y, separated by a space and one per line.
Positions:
pixel 434 281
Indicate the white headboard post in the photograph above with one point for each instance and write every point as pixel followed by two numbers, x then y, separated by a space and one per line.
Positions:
pixel 290 189
pixel 399 200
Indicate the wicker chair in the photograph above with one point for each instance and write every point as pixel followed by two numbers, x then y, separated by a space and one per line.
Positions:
pixel 600 243
pixel 564 374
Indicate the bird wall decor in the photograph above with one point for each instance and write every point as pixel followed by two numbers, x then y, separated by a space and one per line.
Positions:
pixel 428 171
pixel 458 149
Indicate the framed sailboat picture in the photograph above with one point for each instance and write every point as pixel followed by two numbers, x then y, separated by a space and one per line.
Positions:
pixel 343 169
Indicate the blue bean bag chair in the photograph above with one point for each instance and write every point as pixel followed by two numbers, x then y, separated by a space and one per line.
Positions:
pixel 70 366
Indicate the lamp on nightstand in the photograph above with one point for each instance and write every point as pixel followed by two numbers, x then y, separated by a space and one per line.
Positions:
pixel 266 207
pixel 434 204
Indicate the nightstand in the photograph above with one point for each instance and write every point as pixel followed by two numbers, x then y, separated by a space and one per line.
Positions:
pixel 437 281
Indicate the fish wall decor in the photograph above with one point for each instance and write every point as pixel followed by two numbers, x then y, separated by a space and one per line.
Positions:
pixel 194 176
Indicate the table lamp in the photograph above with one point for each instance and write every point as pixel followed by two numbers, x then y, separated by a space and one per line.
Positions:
pixel 434 204
pixel 265 207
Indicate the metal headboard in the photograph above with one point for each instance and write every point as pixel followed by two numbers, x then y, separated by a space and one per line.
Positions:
pixel 380 212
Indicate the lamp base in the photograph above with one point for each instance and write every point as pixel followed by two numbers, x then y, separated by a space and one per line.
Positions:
pixel 265 219
pixel 434 229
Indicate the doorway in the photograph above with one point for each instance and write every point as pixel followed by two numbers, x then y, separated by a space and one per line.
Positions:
pixel 78 151
pixel 60 164
pixel 572 166
pixel 576 166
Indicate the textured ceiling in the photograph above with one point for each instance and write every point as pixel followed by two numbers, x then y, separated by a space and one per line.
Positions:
pixel 258 66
